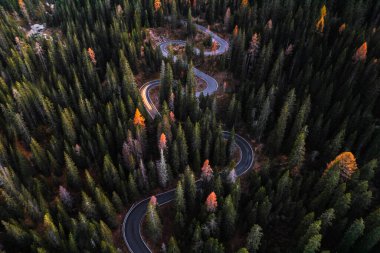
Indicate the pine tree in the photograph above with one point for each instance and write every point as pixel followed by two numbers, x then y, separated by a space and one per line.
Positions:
pixel 162 170
pixel 213 245
pixel 314 244
pixel 297 155
pixel 39 156
pixel 110 175
pixel 182 147
pixel 17 233
pixel 51 232
pixel 73 178
pixel 180 198
pixel 133 192
pixel 227 18
pixel 367 172
pixel 254 238
pixel 88 206
pixel 153 222
pixel 228 217
pixel 263 119
pixel 196 241
pixel 68 127
pixel 308 242
pixel 300 120
pixel 172 246
pixel 106 208
pixel 277 135
pixel 352 234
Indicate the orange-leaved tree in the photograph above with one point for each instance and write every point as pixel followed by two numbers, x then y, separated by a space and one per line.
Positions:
pixel 361 53
pixel 139 120
pixel 153 200
pixel 236 31
pixel 91 54
pixel 211 202
pixel 23 9
pixel 345 162
pixel 172 116
pixel 207 172
pixel 342 27
pixel 214 46
pixel 157 5
pixel 321 22
pixel 162 142
pixel 21 4
pixel 244 3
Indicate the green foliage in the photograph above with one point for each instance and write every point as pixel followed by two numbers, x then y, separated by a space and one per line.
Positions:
pixel 153 223
pixel 254 238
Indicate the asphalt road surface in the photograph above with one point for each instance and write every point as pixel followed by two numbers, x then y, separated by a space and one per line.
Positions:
pixel 131 228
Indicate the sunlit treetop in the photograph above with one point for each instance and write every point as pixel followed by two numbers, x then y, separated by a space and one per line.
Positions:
pixel 345 162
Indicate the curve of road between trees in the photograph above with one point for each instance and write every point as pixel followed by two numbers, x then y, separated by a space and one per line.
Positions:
pixel 131 227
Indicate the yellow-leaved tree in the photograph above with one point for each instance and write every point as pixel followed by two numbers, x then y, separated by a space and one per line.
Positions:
pixel 321 22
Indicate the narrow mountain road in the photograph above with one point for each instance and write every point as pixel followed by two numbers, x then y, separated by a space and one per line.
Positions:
pixel 131 227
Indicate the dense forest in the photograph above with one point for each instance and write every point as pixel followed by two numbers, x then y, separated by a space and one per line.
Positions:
pixel 78 147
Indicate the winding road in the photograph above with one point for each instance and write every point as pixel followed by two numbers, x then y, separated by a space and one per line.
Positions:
pixel 131 227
